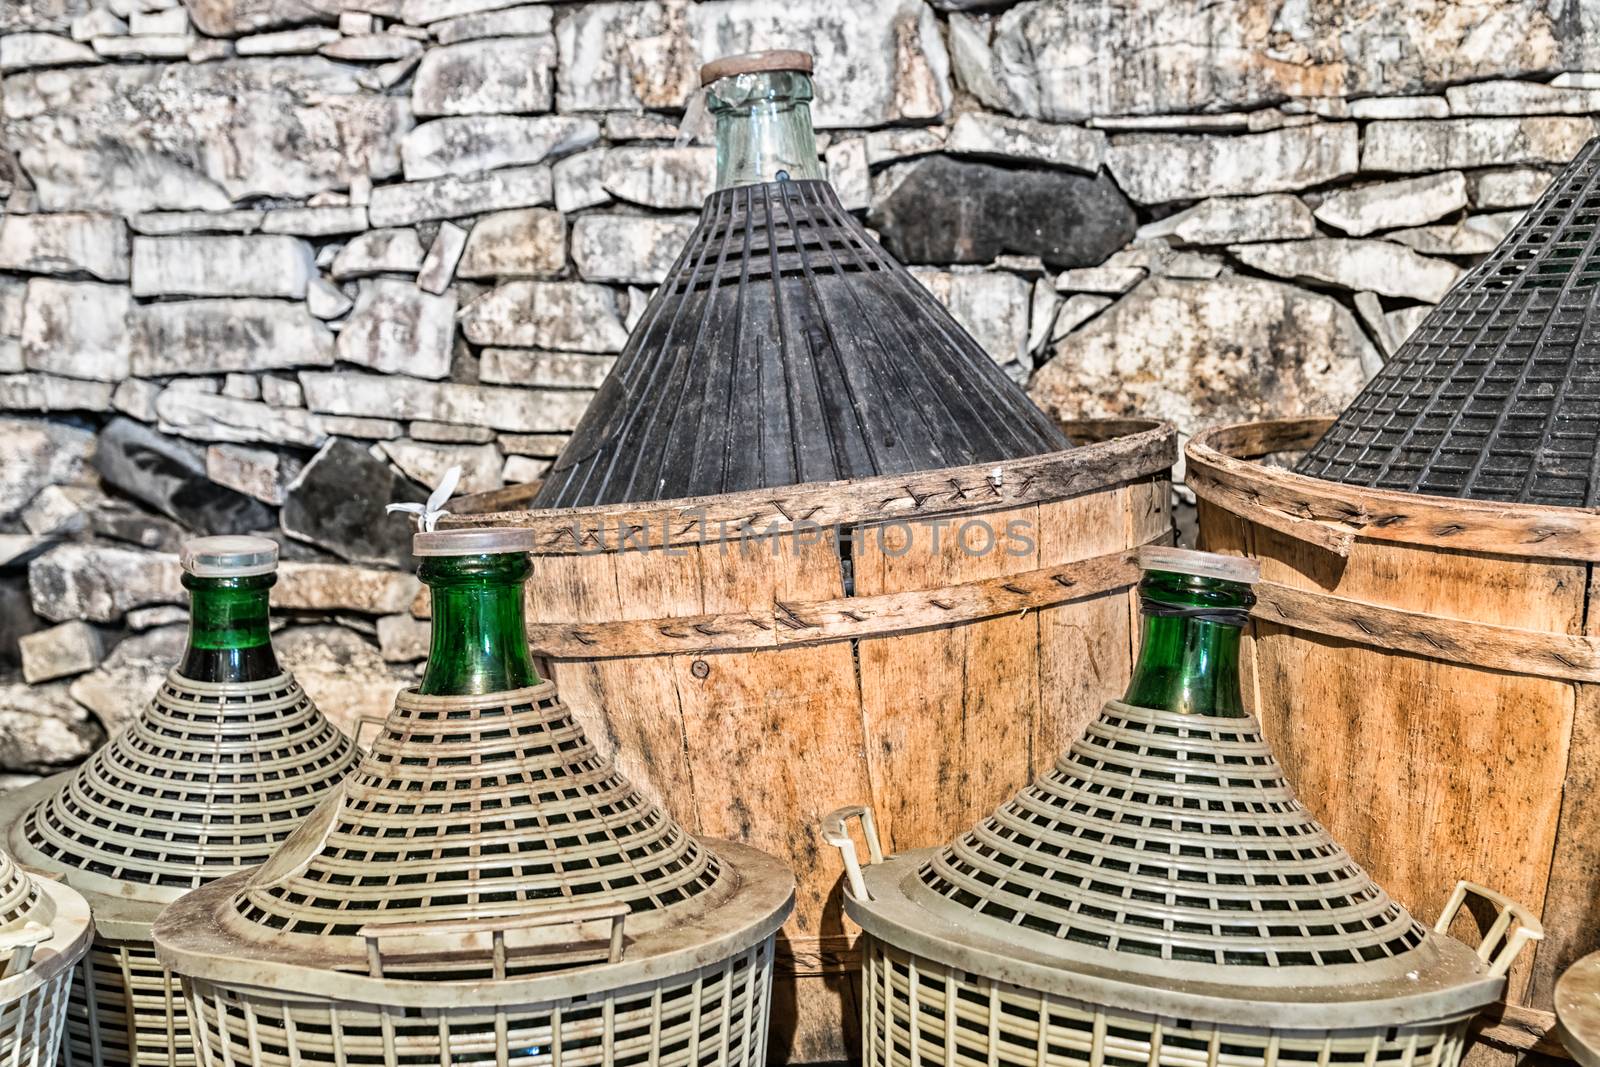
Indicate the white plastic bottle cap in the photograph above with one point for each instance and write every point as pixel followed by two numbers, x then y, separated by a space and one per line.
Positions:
pixel 229 556
pixel 1201 564
pixel 472 541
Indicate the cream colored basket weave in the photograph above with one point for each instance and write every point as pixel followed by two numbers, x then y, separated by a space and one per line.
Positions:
pixel 1578 1010
pixel 208 780
pixel 484 889
pixel 1160 898
pixel 44 930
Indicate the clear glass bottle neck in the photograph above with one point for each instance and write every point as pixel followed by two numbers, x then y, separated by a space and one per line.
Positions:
pixel 230 632
pixel 1189 659
pixel 764 129
pixel 479 643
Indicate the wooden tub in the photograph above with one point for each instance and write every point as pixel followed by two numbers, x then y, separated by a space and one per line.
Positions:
pixel 1427 670
pixel 739 680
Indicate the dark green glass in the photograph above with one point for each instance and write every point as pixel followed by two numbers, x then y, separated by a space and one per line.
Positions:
pixel 1189 661
pixel 479 642
pixel 230 638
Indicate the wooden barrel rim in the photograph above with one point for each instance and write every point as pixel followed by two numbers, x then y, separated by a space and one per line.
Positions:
pixel 1333 515
pixel 790 623
pixel 1141 450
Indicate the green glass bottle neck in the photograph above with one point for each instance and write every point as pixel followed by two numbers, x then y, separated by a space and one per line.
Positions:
pixel 230 634
pixel 1189 659
pixel 764 129
pixel 479 642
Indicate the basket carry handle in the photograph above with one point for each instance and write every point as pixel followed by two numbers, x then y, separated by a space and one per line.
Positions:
pixel 364 721
pixel 1502 942
pixel 17 946
pixel 469 937
pixel 836 832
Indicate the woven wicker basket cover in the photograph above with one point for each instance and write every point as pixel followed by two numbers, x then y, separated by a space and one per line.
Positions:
pixel 21 902
pixel 786 346
pixel 207 780
pixel 471 808
pixel 1496 396
pixel 1166 854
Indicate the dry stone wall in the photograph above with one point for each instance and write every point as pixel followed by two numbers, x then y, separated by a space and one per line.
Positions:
pixel 273 264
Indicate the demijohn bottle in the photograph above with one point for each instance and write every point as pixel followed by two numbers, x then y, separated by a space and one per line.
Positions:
pixel 1195 605
pixel 762 106
pixel 229 580
pixel 479 643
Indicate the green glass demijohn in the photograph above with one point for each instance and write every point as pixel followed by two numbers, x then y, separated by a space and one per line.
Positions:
pixel 1194 605
pixel 229 580
pixel 479 641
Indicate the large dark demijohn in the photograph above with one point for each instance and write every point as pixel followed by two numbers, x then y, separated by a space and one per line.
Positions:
pixel 209 779
pixel 785 345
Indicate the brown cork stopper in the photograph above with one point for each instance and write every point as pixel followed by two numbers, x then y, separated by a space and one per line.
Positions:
pixel 755 63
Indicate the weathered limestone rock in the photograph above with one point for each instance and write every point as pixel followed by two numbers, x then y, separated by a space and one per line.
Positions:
pixel 286 42
pixel 992 305
pixel 78 329
pixel 167 223
pixel 1400 107
pixel 526 243
pixel 506 75
pixel 167 47
pixel 24 51
pixel 1153 168
pixel 59 652
pixel 1078 309
pixel 445 433
pixel 1507 187
pixel 429 12
pixel 372 48
pixel 325 301
pixel 81 580
pixel 531 368
pixel 241 386
pixel 386 251
pixel 1111 58
pixel 98 22
pixel 315 221
pixel 170 22
pixel 169 476
pixel 1107 279
pixel 205 417
pixel 281 392
pixel 222 265
pixel 1410 147
pixel 516 22
pixel 661 177
pixel 1472 236
pixel 337 503
pixel 426 464
pixel 578 181
pixel 42 729
pixel 628 248
pixel 48 392
pixel 543 445
pixel 35 453
pixel 343 674
pixel 886 61
pixel 101 138
pixel 256 472
pixel 1227 220
pixel 216 336
pixel 516 410
pixel 439 265
pixel 470 144
pixel 230 18
pixel 404 638
pixel 58 510
pixel 122 686
pixel 978 133
pixel 848 172
pixel 452 198
pixel 397 328
pixel 136 398
pixel 1065 219
pixel 523 470
pixel 1205 352
pixel 1387 205
pixel 1520 98
pixel 888 146
pixel 564 316
pixel 65 244
pixel 364 428
pixel 1381 266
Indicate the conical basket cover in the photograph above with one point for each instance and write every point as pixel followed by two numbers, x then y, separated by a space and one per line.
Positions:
pixel 469 808
pixel 786 346
pixel 1496 396
pixel 209 779
pixel 21 902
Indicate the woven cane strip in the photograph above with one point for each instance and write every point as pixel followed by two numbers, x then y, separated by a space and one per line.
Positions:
pixel 208 780
pixel 31 1024
pixel 713 1017
pixel 918 1013
pixel 1173 836
pixel 125 1009
pixel 471 807
pixel 20 900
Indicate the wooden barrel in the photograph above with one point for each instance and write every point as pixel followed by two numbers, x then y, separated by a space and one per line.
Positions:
pixel 1427 671
pixel 925 643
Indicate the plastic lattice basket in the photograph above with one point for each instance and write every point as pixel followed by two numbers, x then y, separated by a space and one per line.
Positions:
pixel 486 884
pixel 208 780
pixel 1159 897
pixel 786 346
pixel 1496 395
pixel 44 930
